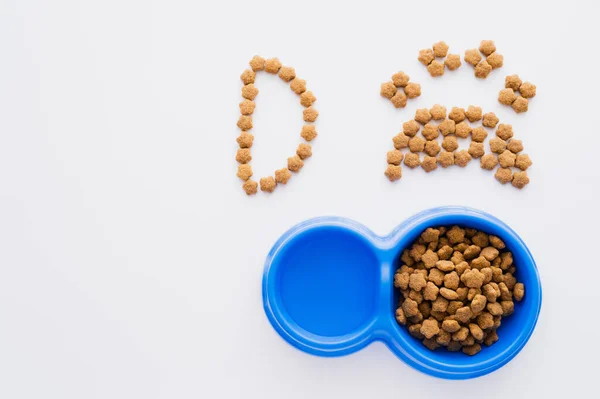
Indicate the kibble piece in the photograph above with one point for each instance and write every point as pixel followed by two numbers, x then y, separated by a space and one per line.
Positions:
pixel 401 280
pixel 478 303
pixel 520 179
pixel 244 171
pixel 268 184
pixel 438 112
pixel 451 281
pixel 417 282
pixel 462 293
pixel 513 82
pixel 520 105
pixel 504 131
pixel 388 90
pixel 450 326
pixel 440 49
pixel 407 259
pixel 476 332
pixel 447 127
pixel 504 175
pixel 308 133
pixel 248 76
pixel 426 56
pixel 463 314
pixel 430 293
pixel 510 280
pixel 249 91
pixel 446 159
pixel 480 262
pixel 490 253
pixel 297 85
pixel 462 158
pixel 523 162
pixel 495 309
pixel 445 265
pixel 423 116
pixel 410 307
pixel 395 157
pixel 429 328
pixel 257 63
pixel 527 90
pixel 471 252
pixel 515 146
pixel 472 278
pixel 452 61
pixel 250 187
pixel 497 242
pixel 476 150
pixel 416 144
pixel 495 60
pixel 247 107
pixel 472 349
pixel 272 65
pixel 507 260
pixel 436 68
pixel 417 251
pixel 304 151
pixel 287 73
pixel 505 293
pixel 487 47
pixel 461 334
pixel 430 235
pixel 443 338
pixel 449 294
pixel 473 57
pixel 497 145
pixel 432 148
pixel 425 309
pixel 400 316
pixel 400 141
pixel 282 176
pixel 245 122
pixel 456 235
pixel 457 114
pixel 430 131
pixel 445 252
pixel 507 96
pixel 411 127
pixel 431 344
pixel 490 120
pixel 295 163
pixel 245 140
pixel 412 90
pixel 508 307
pixel 507 159
pixel 243 155
pixel 480 239
pixel 439 305
pixel 415 330
pixel 429 163
pixel 450 143
pixel 489 293
pixel 310 114
pixel 483 69
pixel 307 98
pixel 491 338
pixel 474 113
pixel 399 100
pixel 485 320
pixel 436 276
pixel 457 257
pixel 463 129
pixel 412 160
pixel 400 79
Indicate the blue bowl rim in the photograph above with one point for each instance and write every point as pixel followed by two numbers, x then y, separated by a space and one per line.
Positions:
pixel 401 346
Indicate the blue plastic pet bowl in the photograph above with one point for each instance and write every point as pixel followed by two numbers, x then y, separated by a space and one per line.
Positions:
pixel 328 290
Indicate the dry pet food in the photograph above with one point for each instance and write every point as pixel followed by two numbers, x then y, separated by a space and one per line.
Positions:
pixel 456 296
pixel 247 107
pixel 483 66
pixel 516 93
pixel 440 50
pixel 400 89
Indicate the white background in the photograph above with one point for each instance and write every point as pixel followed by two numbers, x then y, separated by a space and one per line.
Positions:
pixel 130 258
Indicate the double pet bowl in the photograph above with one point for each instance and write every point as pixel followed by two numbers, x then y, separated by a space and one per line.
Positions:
pixel 328 290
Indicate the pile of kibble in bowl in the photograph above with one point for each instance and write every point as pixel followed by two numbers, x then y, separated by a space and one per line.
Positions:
pixel 455 286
